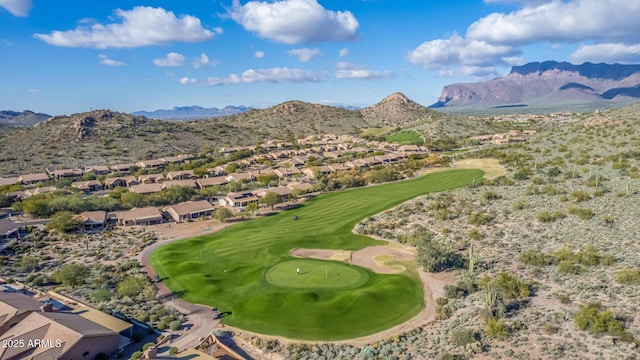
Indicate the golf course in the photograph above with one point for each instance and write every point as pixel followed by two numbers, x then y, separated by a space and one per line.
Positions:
pixel 248 272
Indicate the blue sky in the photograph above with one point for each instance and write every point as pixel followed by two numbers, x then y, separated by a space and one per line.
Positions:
pixel 63 57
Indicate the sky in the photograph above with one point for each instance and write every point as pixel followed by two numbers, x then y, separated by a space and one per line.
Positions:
pixel 64 57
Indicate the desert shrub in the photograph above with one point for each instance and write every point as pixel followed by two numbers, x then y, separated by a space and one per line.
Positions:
pixel 136 355
pixel 463 337
pixel 173 350
pixel 536 258
pixel 582 213
pixel 442 214
pixel 511 287
pixel 175 325
pixel 497 329
pixel 580 196
pixel 519 204
pixel 519 175
pixel 569 267
pixel 147 346
pixel 545 216
pixel 593 319
pixel 435 257
pixel 490 195
pixel 478 218
pixel 554 171
pixel 628 276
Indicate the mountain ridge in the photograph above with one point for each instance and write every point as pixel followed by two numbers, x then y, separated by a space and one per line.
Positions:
pixel 24 118
pixel 191 112
pixel 548 84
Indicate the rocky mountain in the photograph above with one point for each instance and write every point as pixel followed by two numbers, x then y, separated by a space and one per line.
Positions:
pixel 192 112
pixel 549 84
pixel 25 118
pixel 103 136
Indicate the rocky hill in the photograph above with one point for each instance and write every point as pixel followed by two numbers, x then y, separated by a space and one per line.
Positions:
pixel 25 118
pixel 192 112
pixel 549 85
pixel 103 136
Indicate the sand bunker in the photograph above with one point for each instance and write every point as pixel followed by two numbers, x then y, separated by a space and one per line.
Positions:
pixel 375 258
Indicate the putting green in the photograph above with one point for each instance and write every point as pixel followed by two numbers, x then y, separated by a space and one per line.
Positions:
pixel 239 268
pixel 316 274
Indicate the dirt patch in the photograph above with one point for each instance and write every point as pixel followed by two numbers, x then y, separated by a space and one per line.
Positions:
pixel 491 167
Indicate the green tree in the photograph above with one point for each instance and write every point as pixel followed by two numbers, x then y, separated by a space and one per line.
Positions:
pixel 271 198
pixel 251 209
pixel 222 213
pixel 131 200
pixel 73 274
pixel 130 286
pixel 63 222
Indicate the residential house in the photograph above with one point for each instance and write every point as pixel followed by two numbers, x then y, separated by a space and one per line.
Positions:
pixel 238 200
pixel 9 230
pixel 339 167
pixel 240 177
pixel 93 220
pixel 216 171
pixel 140 216
pixel 302 186
pixel 98 170
pixel 190 183
pixel 322 170
pixel 121 168
pixel 66 174
pixel 87 186
pixel 280 190
pixel 212 181
pixel 123 181
pixel 9 181
pixel 287 173
pixel 190 210
pixel 152 164
pixel 181 175
pixel 36 191
pixel 146 188
pixel 150 178
pixel 66 335
pixel 30 179
pixel 410 148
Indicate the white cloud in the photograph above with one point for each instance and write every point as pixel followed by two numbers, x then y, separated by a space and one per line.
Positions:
pixel 271 75
pixel 172 59
pixel 202 61
pixel 347 70
pixel 305 54
pixel 344 52
pixel 568 21
pixel 608 53
pixel 258 54
pixel 187 81
pixel 443 54
pixel 33 91
pixel 141 26
pixel 19 8
pixel 295 21
pixel 105 60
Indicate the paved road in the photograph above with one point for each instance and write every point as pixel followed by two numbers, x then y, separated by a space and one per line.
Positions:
pixel 198 315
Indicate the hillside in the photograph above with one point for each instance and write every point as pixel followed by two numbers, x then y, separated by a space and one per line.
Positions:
pixel 103 136
pixel 184 113
pixel 549 86
pixel 25 118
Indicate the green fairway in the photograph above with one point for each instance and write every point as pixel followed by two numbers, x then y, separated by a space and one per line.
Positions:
pixel 405 137
pixel 247 271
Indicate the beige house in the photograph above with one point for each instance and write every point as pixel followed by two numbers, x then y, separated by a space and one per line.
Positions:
pixel 36 191
pixel 287 173
pixel 152 164
pixel 97 170
pixel 87 186
pixel 181 183
pixel 280 190
pixel 146 188
pixel 66 173
pixel 30 179
pixel 42 333
pixel 140 216
pixel 121 168
pixel 123 181
pixel 151 178
pixel 212 181
pixel 93 220
pixel 190 210
pixel 240 177
pixel 9 181
pixel 238 200
pixel 181 175
pixel 9 229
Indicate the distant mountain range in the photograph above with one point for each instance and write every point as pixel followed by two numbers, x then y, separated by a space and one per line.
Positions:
pixel 547 85
pixel 25 118
pixel 192 112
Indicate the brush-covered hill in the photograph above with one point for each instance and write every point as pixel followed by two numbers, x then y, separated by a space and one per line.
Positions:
pixel 25 118
pixel 103 136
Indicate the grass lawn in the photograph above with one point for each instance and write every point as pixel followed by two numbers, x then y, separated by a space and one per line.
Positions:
pixel 247 270
pixel 405 137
